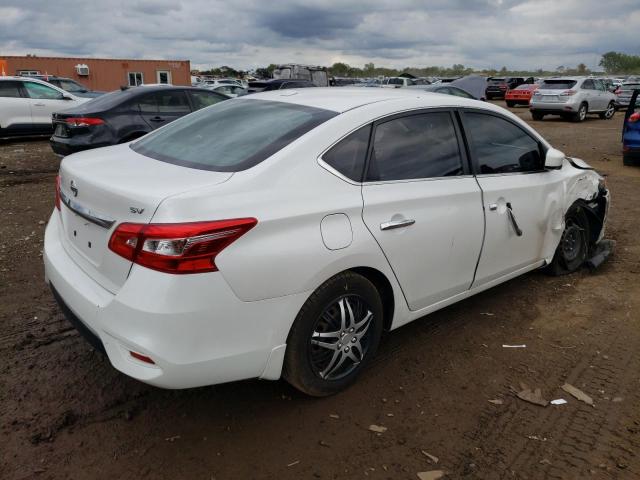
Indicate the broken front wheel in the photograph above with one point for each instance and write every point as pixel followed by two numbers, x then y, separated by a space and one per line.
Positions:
pixel 573 249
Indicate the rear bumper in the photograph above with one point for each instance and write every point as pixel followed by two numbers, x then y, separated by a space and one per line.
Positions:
pixel 553 108
pixel 66 146
pixel 193 326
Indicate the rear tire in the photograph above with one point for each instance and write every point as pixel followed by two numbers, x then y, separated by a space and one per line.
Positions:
pixel 581 114
pixel 331 340
pixel 609 112
pixel 573 249
pixel 511 104
pixel 537 115
pixel 629 161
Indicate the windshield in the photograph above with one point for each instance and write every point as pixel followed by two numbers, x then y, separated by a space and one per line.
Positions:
pixel 231 136
pixel 557 84
pixel 71 86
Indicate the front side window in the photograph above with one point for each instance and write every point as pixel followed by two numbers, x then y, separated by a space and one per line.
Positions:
pixel 36 90
pixel 348 156
pixel 415 146
pixel 500 146
pixel 231 136
pixel 10 89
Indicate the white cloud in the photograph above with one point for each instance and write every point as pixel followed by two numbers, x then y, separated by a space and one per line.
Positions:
pixel 399 33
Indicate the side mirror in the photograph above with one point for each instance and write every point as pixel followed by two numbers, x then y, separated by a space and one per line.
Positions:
pixel 554 158
pixel 66 97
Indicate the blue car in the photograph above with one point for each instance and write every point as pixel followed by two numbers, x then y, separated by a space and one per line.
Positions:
pixel 631 132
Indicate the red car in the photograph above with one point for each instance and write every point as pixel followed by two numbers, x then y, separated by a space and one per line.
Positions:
pixel 520 95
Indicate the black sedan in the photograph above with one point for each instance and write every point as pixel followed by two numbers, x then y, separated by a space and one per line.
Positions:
pixel 125 115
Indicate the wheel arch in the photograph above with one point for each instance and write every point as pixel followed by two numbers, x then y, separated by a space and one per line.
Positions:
pixel 385 289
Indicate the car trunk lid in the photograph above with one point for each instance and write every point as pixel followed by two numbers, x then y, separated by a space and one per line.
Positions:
pixel 105 187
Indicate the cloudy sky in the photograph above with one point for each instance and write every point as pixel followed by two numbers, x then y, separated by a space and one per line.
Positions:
pixel 396 33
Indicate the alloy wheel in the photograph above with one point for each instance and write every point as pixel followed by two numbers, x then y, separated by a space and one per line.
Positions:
pixel 340 339
pixel 611 110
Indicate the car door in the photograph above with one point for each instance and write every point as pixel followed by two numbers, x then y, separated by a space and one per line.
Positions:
pixel 423 206
pixel 162 107
pixel 15 108
pixel 518 194
pixel 44 102
pixel 592 97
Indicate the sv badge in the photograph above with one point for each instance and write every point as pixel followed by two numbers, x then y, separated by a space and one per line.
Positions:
pixel 136 210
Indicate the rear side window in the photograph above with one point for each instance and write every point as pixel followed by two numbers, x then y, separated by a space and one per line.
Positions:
pixel 557 84
pixel 39 91
pixel 173 102
pixel 415 146
pixel 231 136
pixel 348 156
pixel 202 99
pixel 10 89
pixel 500 146
pixel 588 85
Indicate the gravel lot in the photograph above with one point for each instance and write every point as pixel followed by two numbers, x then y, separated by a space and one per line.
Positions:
pixel 66 413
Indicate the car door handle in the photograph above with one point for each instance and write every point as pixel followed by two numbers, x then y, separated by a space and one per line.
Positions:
pixel 157 119
pixel 38 104
pixel 393 224
pixel 512 217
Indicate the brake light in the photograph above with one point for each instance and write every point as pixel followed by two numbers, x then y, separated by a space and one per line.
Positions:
pixel 58 192
pixel 618 92
pixel 634 117
pixel 568 93
pixel 83 121
pixel 178 247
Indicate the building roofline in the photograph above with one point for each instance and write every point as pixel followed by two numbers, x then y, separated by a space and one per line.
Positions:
pixel 36 57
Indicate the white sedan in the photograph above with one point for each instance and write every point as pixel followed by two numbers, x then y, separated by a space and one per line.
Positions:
pixel 279 234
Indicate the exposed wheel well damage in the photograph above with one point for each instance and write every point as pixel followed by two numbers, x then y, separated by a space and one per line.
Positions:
pixel 385 289
pixel 596 212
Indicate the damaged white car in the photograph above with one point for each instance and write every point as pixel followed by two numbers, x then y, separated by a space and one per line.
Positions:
pixel 280 234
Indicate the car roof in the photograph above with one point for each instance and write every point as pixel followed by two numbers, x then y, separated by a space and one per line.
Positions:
pixel 348 98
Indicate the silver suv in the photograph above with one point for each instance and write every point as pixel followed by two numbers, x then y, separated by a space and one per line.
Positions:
pixel 572 98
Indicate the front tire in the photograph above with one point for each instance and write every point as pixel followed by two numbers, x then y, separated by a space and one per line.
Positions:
pixel 573 249
pixel 609 112
pixel 334 336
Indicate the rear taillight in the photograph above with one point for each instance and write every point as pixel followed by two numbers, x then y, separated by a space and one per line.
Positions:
pixel 568 93
pixel 635 117
pixel 618 92
pixel 58 192
pixel 83 121
pixel 178 247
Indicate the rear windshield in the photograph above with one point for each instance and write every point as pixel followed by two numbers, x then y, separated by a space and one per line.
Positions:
pixel 231 136
pixel 557 84
pixel 497 81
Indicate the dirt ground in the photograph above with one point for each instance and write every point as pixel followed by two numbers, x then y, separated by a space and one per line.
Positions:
pixel 65 413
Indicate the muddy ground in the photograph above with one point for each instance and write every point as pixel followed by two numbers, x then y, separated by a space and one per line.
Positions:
pixel 66 413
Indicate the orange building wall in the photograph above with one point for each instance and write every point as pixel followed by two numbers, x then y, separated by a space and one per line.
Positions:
pixel 104 74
